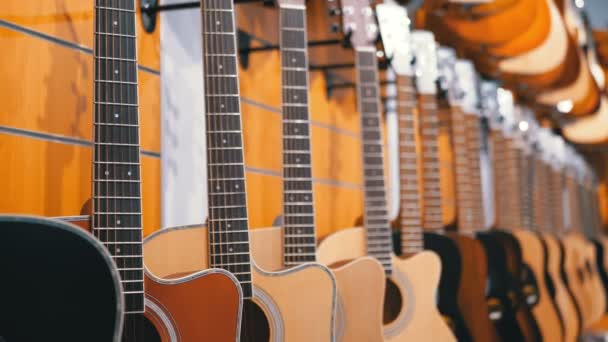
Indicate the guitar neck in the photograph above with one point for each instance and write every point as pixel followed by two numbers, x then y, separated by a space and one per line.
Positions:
pixel 228 220
pixel 557 201
pixel 117 214
pixel 298 209
pixel 410 217
pixel 379 240
pixel 429 130
pixel 474 144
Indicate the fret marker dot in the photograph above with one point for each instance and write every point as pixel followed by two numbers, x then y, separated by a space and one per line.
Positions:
pixel 217 23
pixel 306 198
pixel 291 198
pixel 218 187
pixel 224 141
pixel 296 130
pixel 295 97
pixel 220 67
pixel 117 221
pixel 293 60
pixel 229 225
pixel 106 173
pixel 129 173
pixel 236 186
pixel 298 160
pixel 116 115
pixel 116 71
pixel 299 250
pixel 299 231
pixel 230 249
pixel 115 23
pixel 117 250
pixel 222 105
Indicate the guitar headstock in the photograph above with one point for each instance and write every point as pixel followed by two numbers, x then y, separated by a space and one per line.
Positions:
pixel 425 63
pixel 395 31
pixel 489 102
pixel 358 21
pixel 447 82
pixel 506 109
pixel 468 81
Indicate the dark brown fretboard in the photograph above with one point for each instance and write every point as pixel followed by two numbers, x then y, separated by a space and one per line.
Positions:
pixel 379 241
pixel 117 212
pixel 298 209
pixel 228 220
pixel 429 131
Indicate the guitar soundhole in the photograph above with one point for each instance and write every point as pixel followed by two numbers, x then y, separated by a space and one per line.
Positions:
pixel 393 301
pixel 254 325
pixel 138 328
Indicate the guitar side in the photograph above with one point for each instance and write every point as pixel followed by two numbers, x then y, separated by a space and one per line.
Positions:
pixel 360 287
pixel 413 285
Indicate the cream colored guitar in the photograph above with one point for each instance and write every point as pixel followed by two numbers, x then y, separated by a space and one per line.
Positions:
pixel 291 305
pixel 410 312
pixel 360 281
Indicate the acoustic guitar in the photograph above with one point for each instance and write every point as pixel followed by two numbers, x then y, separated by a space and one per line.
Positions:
pixel 548 215
pixel 511 290
pixel 467 139
pixel 360 282
pixel 402 48
pixel 166 295
pixel 409 310
pixel 82 300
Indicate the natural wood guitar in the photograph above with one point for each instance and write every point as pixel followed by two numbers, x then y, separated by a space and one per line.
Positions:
pixel 360 282
pixel 294 304
pixel 409 306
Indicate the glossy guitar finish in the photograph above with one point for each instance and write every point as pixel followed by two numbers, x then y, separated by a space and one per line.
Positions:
pixel 80 299
pixel 412 286
pixel 360 290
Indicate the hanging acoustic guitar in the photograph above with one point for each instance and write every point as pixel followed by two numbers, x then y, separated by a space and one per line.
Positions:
pixel 169 292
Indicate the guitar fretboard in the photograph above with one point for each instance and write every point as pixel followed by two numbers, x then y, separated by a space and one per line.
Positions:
pixel 557 205
pixel 429 131
pixel 228 221
pixel 298 209
pixel 410 217
pixel 474 146
pixel 464 191
pixel 379 241
pixel 117 212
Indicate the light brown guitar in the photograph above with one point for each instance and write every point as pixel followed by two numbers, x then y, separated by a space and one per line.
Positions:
pixel 410 313
pixel 360 282
pixel 547 214
pixel 532 249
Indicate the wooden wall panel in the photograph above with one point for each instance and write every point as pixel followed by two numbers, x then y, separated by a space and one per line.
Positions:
pixel 46 86
pixel 51 178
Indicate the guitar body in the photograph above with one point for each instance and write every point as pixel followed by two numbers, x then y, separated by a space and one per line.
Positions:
pixel 472 290
pixel 185 300
pixel 410 312
pixel 601 254
pixel 59 283
pixel 449 282
pixel 594 280
pixel 360 284
pixel 544 310
pixel 507 277
pixel 575 271
pixel 561 294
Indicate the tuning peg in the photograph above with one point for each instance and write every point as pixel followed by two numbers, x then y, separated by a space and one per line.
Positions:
pixel 335 28
pixel 335 12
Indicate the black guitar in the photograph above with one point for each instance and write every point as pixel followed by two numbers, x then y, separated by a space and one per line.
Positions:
pixel 58 283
